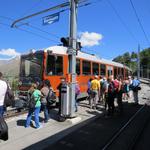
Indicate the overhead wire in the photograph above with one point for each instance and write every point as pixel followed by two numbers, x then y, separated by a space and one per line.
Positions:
pixel 8 18
pixel 34 27
pixel 36 4
pixel 122 22
pixel 139 21
pixel 35 34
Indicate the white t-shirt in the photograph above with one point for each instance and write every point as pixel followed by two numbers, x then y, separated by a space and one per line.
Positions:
pixel 3 89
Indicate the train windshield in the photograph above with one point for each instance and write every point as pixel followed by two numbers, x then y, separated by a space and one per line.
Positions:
pixel 31 67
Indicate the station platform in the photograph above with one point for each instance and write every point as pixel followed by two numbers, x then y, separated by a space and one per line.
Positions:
pixel 86 131
pixel 21 137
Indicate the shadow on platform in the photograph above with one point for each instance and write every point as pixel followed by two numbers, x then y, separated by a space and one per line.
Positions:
pixel 90 134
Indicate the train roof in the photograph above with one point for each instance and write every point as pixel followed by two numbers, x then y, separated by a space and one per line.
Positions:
pixel 63 51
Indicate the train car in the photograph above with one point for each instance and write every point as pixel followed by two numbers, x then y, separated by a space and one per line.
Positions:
pixel 52 64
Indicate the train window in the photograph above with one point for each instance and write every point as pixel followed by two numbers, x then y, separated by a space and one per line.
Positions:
pixel 103 69
pixel 109 69
pixel 119 72
pixel 86 68
pixel 122 72
pixel 54 65
pixel 95 69
pixel 78 66
pixel 115 72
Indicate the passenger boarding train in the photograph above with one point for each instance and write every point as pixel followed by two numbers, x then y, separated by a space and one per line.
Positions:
pixel 52 64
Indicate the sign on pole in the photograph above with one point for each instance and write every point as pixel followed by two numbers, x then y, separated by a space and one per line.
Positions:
pixel 51 19
pixel 134 59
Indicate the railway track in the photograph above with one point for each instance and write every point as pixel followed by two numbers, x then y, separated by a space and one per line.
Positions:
pixel 14 113
pixel 128 135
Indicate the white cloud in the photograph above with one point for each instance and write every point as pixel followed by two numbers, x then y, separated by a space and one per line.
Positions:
pixel 9 52
pixel 90 39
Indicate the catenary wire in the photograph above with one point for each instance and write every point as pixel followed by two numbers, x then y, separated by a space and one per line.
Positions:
pixel 37 28
pixel 35 34
pixel 139 21
pixel 122 22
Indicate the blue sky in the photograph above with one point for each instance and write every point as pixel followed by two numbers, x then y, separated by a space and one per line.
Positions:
pixel 99 28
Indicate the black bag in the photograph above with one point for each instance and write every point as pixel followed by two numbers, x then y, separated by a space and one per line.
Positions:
pixel 31 102
pixel 135 89
pixel 9 97
pixel 3 129
pixel 51 97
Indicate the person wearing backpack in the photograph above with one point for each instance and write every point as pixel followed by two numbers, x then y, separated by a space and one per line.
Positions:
pixel 130 86
pixel 104 86
pixel 95 92
pixel 3 90
pixel 45 92
pixel 116 87
pixel 135 88
pixel 126 90
pixel 119 95
pixel 111 96
pixel 34 106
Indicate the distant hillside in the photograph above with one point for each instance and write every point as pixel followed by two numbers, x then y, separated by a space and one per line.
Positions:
pixel 10 67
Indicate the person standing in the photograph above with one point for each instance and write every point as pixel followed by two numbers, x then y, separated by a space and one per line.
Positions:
pixel 130 86
pixel 45 91
pixel 77 92
pixel 89 91
pixel 111 95
pixel 135 85
pixel 62 84
pixel 104 86
pixel 119 96
pixel 95 91
pixel 35 95
pixel 3 90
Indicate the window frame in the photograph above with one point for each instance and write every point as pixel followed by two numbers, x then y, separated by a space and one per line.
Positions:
pixel 95 63
pixel 89 68
pixel 54 55
pixel 103 68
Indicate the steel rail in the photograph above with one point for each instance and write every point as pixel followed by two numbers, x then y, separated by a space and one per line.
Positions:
pixel 137 136
pixel 14 113
pixel 122 129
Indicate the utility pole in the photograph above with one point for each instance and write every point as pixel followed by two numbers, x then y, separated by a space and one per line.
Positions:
pixel 72 53
pixel 138 62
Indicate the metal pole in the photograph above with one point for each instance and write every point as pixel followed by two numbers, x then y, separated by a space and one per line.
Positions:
pixel 142 71
pixel 138 63
pixel 72 54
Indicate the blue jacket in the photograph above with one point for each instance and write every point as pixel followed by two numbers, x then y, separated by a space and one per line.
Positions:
pixel 135 83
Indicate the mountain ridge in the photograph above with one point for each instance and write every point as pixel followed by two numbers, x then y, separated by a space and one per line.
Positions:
pixel 10 67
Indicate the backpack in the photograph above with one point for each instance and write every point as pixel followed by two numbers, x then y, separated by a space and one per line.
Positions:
pixel 9 97
pixel 51 97
pixel 116 85
pixel 104 85
pixel 3 129
pixel 31 102
pixel 111 87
